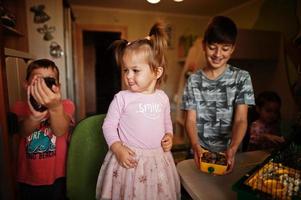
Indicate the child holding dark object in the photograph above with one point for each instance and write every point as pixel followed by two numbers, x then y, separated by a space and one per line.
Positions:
pixel 44 121
pixel 265 131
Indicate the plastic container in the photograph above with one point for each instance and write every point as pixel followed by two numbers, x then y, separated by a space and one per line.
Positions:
pixel 213 163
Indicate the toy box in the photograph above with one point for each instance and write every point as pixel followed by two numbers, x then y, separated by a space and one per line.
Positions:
pixel 213 163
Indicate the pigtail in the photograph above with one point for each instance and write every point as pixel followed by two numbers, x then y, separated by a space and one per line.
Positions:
pixel 119 47
pixel 159 38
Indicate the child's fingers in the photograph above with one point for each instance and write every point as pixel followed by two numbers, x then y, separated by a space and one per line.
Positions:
pixel 42 89
pixel 35 91
pixel 55 89
pixel 133 162
pixel 129 163
pixel 28 93
pixel 125 165
pixel 28 99
pixel 130 151
pixel 166 140
pixel 165 145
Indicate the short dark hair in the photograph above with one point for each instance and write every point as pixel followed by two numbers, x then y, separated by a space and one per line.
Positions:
pixel 267 96
pixel 41 63
pixel 220 30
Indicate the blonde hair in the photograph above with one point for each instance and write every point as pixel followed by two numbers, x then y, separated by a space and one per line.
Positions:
pixel 152 47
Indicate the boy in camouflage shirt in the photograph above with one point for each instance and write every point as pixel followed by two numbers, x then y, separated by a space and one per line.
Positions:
pixel 216 97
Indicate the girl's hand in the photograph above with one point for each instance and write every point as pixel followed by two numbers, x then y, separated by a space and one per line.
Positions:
pixel 124 155
pixel 166 142
pixel 51 98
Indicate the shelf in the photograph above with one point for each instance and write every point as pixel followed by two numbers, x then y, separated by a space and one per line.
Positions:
pixel 17 54
pixel 11 30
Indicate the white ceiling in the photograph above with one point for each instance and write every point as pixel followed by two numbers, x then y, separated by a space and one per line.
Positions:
pixel 190 7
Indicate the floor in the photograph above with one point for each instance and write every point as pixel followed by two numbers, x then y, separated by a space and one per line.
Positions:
pixel 185 195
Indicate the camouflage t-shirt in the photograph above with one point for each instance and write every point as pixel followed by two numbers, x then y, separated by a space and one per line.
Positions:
pixel 214 102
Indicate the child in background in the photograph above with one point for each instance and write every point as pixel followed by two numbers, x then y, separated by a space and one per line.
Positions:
pixel 44 134
pixel 265 131
pixel 138 127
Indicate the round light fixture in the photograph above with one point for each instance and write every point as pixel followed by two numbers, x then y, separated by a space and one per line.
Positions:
pixel 153 1
pixel 178 0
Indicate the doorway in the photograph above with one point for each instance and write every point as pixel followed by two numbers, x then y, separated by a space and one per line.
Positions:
pixel 96 78
pixel 102 75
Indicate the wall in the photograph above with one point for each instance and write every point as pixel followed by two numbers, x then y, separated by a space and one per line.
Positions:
pixel 275 15
pixel 39 47
pixel 272 15
pixel 138 24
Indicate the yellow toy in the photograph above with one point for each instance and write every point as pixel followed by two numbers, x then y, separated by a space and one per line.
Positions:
pixel 213 163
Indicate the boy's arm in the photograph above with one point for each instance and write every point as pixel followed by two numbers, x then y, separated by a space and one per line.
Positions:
pixel 51 98
pixel 28 124
pixel 239 128
pixel 59 120
pixel 190 125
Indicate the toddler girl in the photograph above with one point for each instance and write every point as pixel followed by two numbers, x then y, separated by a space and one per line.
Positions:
pixel 265 131
pixel 138 127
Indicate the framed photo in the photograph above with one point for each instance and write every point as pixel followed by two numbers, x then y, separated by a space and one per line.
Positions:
pixel 170 34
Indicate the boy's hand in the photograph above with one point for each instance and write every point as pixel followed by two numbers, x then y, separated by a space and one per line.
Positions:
pixel 124 155
pixel 51 98
pixel 198 153
pixel 166 142
pixel 230 155
pixel 35 115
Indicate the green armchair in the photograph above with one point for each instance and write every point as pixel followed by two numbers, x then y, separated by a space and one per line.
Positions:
pixel 85 155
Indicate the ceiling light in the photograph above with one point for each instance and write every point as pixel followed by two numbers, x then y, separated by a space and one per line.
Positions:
pixel 178 0
pixel 153 1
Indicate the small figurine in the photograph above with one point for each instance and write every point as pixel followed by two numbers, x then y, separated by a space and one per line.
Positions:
pixel 56 50
pixel 46 30
pixel 39 15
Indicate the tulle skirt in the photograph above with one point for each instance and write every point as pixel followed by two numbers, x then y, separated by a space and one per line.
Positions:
pixel 154 178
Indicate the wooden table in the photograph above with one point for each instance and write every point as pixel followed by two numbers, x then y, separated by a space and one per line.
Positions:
pixel 201 185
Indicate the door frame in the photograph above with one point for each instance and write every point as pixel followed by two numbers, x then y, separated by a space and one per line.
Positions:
pixel 79 60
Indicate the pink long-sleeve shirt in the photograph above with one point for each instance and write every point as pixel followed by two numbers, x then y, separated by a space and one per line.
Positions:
pixel 138 120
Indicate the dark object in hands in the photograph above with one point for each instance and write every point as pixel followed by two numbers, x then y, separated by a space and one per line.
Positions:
pixel 39 107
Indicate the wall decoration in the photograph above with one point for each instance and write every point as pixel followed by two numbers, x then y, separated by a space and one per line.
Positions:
pixel 170 41
pixel 39 15
pixel 55 50
pixel 46 30
pixel 184 44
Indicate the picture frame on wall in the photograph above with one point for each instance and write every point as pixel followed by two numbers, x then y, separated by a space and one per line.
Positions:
pixel 170 34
